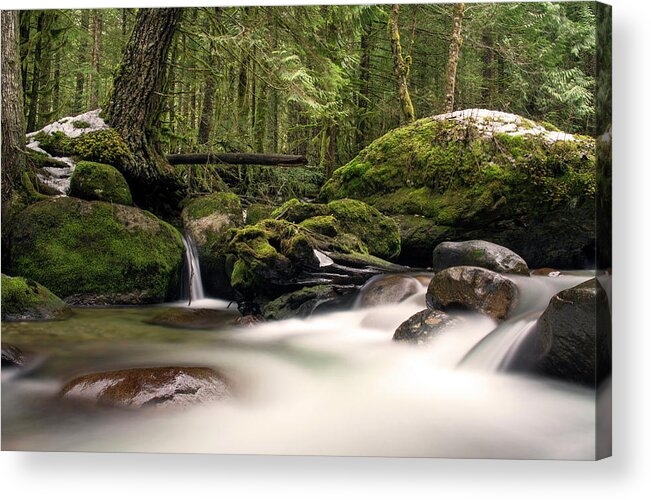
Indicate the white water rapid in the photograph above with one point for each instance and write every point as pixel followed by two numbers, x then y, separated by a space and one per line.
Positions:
pixel 337 384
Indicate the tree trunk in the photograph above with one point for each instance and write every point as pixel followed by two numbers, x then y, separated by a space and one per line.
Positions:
pixel 135 104
pixel 56 90
pixel 400 68
pixel 79 105
pixel 453 58
pixel 13 131
pixel 209 87
pixel 236 159
pixel 25 18
pixel 93 76
pixel 36 77
pixel 487 70
pixel 364 92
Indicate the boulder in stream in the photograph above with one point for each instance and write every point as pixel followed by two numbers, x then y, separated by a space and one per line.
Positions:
pixel 194 318
pixel 572 338
pixel 423 326
pixel 94 252
pixel 472 288
pixel 12 356
pixel 160 387
pixel 23 299
pixel 480 174
pixel 478 253
pixel 388 289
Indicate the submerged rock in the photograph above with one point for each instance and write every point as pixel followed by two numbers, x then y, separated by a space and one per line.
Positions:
pixel 12 356
pixel 572 338
pixel 423 326
pixel 184 317
pixel 388 290
pixel 97 181
pixel 472 288
pixel 479 254
pixel 479 174
pixel 93 252
pixel 24 299
pixel 150 387
pixel 208 220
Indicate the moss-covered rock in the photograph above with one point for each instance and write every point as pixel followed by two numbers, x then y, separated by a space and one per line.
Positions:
pixel 208 220
pixel 103 146
pixel 257 212
pixel 97 181
pixel 356 226
pixel 24 299
pixel 96 252
pixel 477 172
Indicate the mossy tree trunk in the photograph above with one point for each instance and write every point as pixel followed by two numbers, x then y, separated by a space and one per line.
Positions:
pixel 81 61
pixel 135 105
pixel 400 67
pixel 453 58
pixel 13 127
pixel 93 76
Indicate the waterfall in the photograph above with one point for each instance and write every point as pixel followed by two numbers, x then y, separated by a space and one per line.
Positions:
pixel 195 285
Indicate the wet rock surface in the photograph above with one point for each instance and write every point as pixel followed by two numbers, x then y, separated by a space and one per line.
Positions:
pixel 572 338
pixel 164 387
pixel 423 326
pixel 472 288
pixel 388 290
pixel 480 254
pixel 185 317
pixel 12 356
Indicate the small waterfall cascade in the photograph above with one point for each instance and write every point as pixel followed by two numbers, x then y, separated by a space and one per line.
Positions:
pixel 195 285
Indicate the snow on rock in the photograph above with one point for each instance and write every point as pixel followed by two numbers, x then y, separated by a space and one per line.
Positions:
pixel 490 122
pixel 58 178
pixel 67 124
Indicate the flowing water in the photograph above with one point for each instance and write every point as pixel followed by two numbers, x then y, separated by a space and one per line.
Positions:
pixel 334 383
pixel 195 291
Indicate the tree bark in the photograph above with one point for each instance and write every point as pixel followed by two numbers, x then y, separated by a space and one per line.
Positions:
pixel 400 67
pixel 209 85
pixel 453 58
pixel 13 131
pixel 36 76
pixel 135 104
pixel 487 70
pixel 236 159
pixel 364 86
pixel 93 76
pixel 79 105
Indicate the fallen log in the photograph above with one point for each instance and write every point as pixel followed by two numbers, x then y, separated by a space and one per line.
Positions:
pixel 237 159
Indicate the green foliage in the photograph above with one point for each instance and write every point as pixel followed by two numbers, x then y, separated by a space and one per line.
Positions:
pixel 80 124
pixel 79 248
pixel 96 181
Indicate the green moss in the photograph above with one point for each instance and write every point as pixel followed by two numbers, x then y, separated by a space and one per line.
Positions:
pixel 448 171
pixel 379 232
pixel 79 248
pixel 220 202
pixel 257 212
pixel 103 146
pixel 297 211
pixel 97 181
pixel 24 299
pixel 80 124
pixel 322 224
pixel 299 303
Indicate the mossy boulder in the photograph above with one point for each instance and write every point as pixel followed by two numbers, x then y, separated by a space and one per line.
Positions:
pixel 479 174
pixel 379 235
pixel 208 220
pixel 256 212
pixel 97 181
pixel 93 252
pixel 24 299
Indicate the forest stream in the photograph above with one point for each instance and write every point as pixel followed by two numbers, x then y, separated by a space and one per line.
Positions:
pixel 333 383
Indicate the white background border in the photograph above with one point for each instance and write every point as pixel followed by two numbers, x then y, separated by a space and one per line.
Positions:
pixel 625 476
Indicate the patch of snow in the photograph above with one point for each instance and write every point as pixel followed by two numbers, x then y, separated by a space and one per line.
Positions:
pixel 66 126
pixel 55 177
pixel 490 122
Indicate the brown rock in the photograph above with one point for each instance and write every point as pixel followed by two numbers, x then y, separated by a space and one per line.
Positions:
pixel 472 288
pixel 147 387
